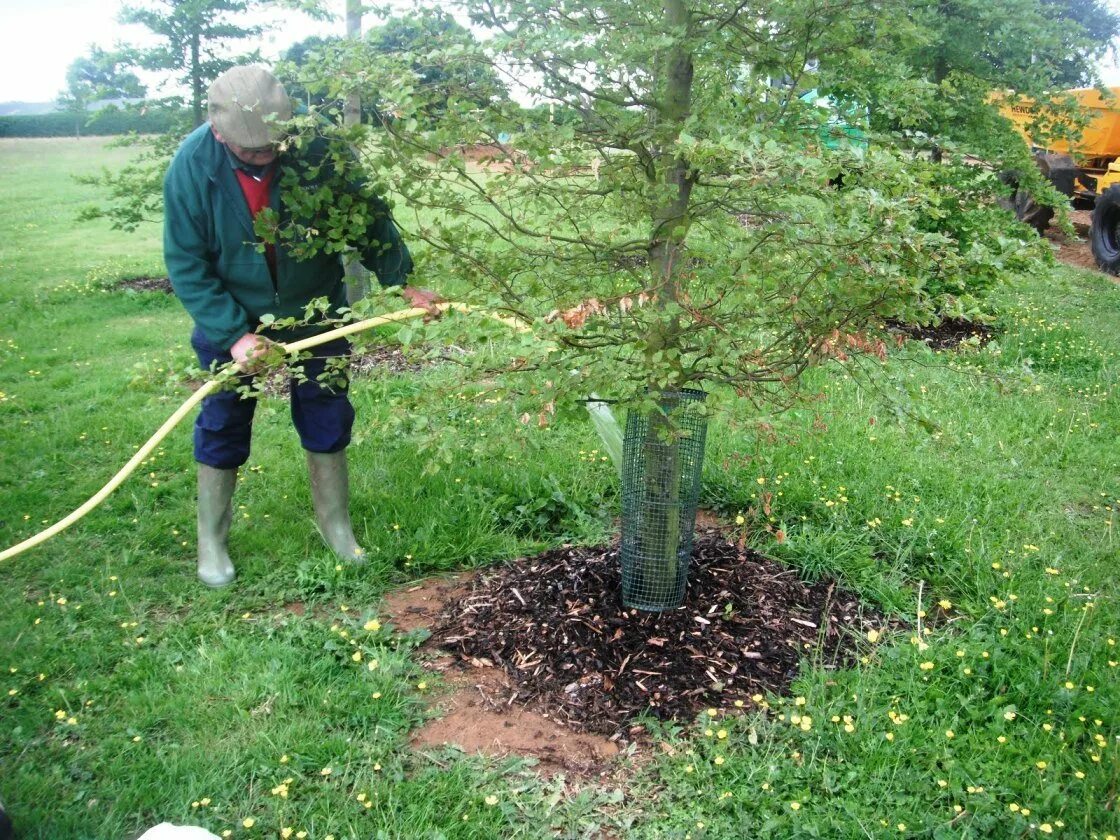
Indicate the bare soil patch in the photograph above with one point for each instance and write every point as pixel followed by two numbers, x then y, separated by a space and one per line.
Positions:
pixel 1075 251
pixel 554 624
pixel 420 606
pixel 481 715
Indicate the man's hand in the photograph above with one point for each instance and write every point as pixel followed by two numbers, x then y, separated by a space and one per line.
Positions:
pixel 247 349
pixel 422 299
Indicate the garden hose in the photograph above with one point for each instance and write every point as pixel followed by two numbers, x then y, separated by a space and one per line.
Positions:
pixel 222 378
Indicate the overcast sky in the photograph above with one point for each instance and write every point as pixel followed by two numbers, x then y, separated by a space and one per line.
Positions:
pixel 39 39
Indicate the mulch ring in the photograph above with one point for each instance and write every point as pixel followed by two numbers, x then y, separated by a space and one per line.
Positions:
pixel 555 624
pixel 381 359
pixel 948 335
pixel 146 284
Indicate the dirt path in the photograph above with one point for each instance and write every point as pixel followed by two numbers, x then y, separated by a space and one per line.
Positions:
pixel 1075 251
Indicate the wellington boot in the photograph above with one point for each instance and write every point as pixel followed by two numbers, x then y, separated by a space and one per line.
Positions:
pixel 330 491
pixel 215 513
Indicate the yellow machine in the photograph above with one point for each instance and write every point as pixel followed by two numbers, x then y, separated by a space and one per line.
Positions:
pixel 1098 151
pixel 1088 169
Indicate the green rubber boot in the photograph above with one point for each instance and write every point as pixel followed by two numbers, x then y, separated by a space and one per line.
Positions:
pixel 215 513
pixel 330 491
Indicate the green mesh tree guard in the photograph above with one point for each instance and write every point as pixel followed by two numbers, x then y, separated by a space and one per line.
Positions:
pixel 663 453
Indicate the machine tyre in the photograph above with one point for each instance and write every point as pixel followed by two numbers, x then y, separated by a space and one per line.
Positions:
pixel 1104 235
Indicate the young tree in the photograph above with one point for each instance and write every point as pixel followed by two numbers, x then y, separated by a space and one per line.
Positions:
pixel 689 230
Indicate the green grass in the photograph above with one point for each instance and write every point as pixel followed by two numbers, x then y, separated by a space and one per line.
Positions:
pixel 128 693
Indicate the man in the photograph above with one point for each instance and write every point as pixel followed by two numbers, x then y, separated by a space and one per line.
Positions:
pixel 224 174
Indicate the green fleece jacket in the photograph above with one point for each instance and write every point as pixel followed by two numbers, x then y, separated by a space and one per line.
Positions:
pixel 213 257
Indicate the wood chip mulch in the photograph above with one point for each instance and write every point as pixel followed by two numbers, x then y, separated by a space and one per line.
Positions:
pixel 948 335
pixel 556 625
pixel 146 284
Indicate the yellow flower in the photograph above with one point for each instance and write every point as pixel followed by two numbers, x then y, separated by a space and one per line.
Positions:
pixel 713 712
pixel 949 733
pixel 902 826
pixel 373 625
pixel 722 734
pixel 926 666
pixel 872 636
pixel 284 759
pixel 1041 765
pixel 248 822
pixel 356 656
pixel 795 806
pixel 945 604
pixel 285 833
pixel 1046 828
pixel 740 519
pixel 326 771
pixel 1009 715
pixel 1014 806
pixel 719 760
pixel 422 686
pixel 491 800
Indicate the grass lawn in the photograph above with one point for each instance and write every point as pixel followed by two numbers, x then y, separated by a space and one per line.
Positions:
pixel 975 495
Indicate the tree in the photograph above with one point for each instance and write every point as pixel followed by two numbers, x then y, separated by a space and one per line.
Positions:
pixel 688 230
pixel 94 77
pixel 1101 26
pixel 196 36
pixel 328 70
pixel 939 73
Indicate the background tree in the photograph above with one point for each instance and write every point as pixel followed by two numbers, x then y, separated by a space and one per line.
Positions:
pixel 939 71
pixel 95 77
pixel 327 70
pixel 197 40
pixel 196 37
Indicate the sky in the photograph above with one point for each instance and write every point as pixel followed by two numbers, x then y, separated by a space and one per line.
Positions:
pixel 31 72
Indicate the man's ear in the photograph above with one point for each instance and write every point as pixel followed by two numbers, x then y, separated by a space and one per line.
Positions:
pixel 217 136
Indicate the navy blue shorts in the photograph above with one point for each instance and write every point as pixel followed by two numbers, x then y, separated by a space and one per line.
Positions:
pixel 322 413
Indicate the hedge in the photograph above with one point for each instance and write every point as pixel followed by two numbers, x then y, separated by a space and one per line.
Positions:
pixel 107 121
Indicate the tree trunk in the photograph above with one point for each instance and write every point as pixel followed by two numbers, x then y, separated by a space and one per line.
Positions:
pixel 660 520
pixel 196 80
pixel 357 278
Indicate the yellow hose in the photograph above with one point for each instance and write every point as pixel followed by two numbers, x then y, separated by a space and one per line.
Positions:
pixel 223 376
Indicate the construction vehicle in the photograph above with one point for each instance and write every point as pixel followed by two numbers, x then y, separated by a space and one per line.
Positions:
pixel 1088 170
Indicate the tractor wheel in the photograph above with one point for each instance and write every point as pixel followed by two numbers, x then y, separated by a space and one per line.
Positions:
pixel 1104 236
pixel 1059 170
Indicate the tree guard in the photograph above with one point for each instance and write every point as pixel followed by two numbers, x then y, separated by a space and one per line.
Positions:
pixel 663 452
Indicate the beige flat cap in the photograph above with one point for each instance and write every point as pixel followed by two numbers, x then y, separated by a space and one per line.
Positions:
pixel 239 102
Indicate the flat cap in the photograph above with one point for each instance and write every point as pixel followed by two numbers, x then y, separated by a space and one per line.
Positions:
pixel 240 100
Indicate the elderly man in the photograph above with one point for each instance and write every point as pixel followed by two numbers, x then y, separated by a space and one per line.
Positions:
pixel 224 174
